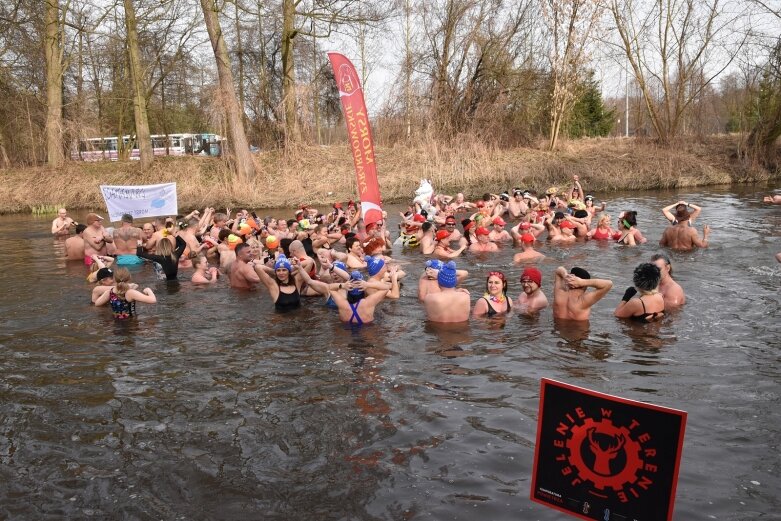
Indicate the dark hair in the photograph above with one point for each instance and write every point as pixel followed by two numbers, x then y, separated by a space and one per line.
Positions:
pixel 647 276
pixel 630 217
pixel 666 260
pixel 426 226
pixel 348 243
pixel 467 235
pixel 80 228
pixel 486 196
pixel 285 243
pixel 581 214
pixel 240 247
pixel 223 234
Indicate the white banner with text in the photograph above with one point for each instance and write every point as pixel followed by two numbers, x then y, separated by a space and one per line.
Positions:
pixel 140 201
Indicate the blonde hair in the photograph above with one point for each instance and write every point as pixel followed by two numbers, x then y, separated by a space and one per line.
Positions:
pixel 122 281
pixel 198 260
pixel 605 218
pixel 165 249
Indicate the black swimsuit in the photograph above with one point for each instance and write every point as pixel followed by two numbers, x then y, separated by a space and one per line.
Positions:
pixel 647 317
pixel 492 311
pixel 287 301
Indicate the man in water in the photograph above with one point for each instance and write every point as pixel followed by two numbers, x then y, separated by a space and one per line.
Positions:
pixel 571 298
pixel 95 238
pixel 681 236
pixel 529 254
pixel 126 239
pixel 242 270
pixel 61 225
pixel 74 246
pixel 670 290
pixel 772 199
pixel 448 305
pixel 532 299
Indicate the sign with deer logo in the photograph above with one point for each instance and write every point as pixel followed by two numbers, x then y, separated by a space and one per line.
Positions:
pixel 603 457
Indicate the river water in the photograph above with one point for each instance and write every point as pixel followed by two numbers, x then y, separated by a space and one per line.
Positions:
pixel 211 406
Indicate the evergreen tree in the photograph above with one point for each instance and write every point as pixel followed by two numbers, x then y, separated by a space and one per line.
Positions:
pixel 589 116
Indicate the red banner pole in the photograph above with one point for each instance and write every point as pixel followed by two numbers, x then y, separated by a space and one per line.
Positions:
pixel 360 136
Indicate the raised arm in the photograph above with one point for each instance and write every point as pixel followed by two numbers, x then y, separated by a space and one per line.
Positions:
pixel 701 243
pixel 318 286
pixel 601 287
pixel 146 296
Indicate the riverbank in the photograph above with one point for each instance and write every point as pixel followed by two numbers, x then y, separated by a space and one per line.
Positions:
pixel 325 174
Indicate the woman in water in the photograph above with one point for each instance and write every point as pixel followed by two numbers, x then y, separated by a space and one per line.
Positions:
pixel 166 256
pixel 649 305
pixel 285 288
pixel 603 231
pixel 122 298
pixel 494 301
pixel 628 233
pixel 355 306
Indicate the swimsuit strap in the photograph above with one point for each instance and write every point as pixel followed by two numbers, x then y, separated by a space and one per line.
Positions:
pixel 355 315
pixel 643 303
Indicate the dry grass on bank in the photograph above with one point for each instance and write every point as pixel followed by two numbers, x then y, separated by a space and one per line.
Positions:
pixel 325 174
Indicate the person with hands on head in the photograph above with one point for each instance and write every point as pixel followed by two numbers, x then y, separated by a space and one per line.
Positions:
pixel 571 298
pixel 449 305
pixel 355 305
pixel 649 306
pixel 681 236
pixel 681 206
pixel 122 297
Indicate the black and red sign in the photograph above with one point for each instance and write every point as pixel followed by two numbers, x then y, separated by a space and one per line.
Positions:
pixel 603 457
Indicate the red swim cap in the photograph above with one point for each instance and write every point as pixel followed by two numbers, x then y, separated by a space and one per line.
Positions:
pixel 482 231
pixel 442 234
pixel 532 274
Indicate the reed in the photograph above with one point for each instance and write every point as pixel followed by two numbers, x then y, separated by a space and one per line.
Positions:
pixel 46 209
pixel 320 175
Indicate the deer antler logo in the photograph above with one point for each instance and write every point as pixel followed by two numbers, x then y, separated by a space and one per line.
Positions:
pixel 604 455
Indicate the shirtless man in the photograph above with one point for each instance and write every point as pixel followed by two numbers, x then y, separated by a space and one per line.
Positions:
pixel 429 283
pixel 450 226
pixel 126 239
pixel 499 234
pixel 571 298
pixel 683 237
pixel 95 238
pixel 448 305
pixel 483 244
pixel 443 249
pixel 193 246
pixel 427 240
pixel 61 225
pixel 529 254
pixel 681 206
pixel 532 299
pixel 670 290
pixel 242 271
pixel 772 199
pixel 74 246
pixel 148 239
pixel 517 207
pixel 566 235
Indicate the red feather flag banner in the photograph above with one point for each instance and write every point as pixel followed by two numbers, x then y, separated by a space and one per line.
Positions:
pixel 360 135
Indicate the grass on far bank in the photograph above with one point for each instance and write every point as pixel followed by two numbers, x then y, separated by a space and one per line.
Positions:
pixel 322 175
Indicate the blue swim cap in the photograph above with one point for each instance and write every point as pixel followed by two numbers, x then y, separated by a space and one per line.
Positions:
pixel 282 262
pixel 435 264
pixel 374 265
pixel 356 275
pixel 447 275
pixel 340 265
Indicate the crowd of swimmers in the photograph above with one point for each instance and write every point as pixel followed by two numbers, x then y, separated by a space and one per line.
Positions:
pixel 346 262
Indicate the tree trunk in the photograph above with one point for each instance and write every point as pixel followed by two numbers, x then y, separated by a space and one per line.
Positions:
pixel 240 54
pixel 137 80
pixel 288 72
pixel 53 56
pixel 237 139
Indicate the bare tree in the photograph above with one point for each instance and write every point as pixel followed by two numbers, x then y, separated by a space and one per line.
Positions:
pixel 668 44
pixel 245 168
pixel 569 25
pixel 53 52
pixel 143 136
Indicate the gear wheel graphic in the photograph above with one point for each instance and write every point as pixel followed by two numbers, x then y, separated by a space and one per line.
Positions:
pixel 632 449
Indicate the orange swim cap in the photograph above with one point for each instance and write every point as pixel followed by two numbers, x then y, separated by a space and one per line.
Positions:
pixel 272 243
